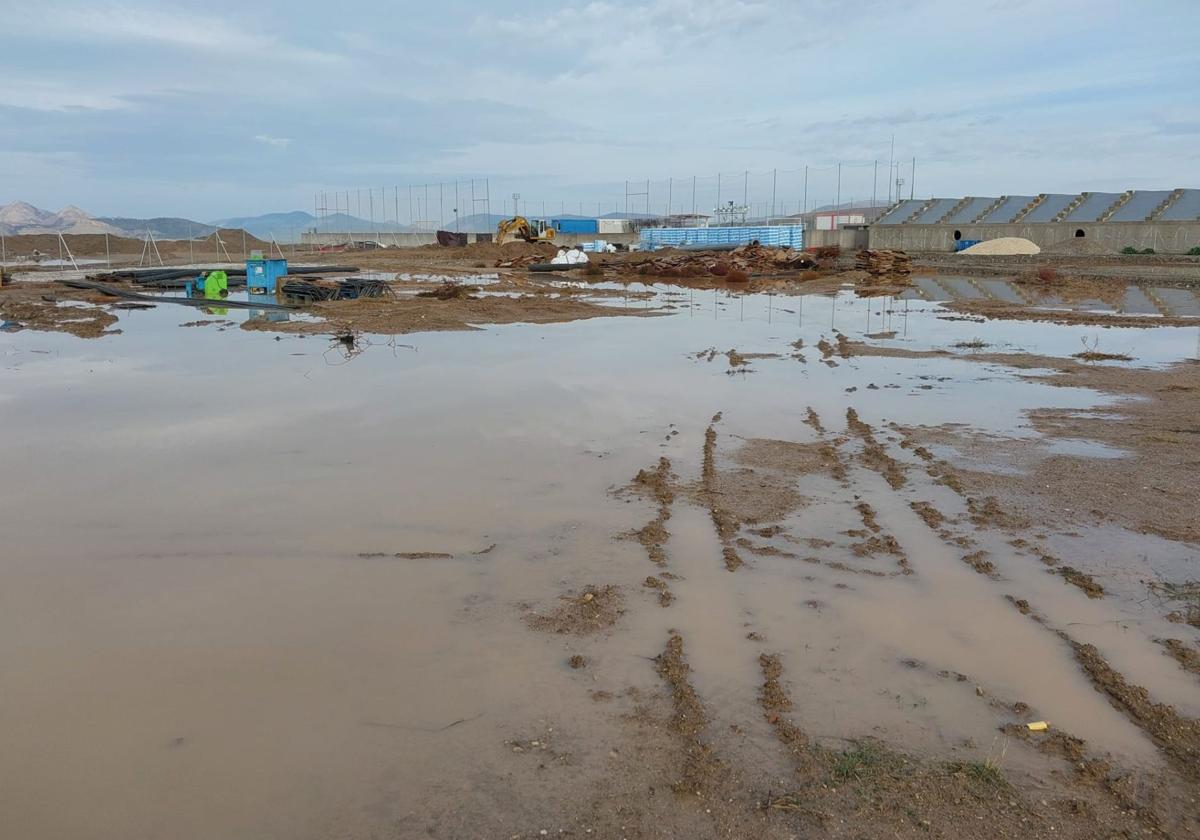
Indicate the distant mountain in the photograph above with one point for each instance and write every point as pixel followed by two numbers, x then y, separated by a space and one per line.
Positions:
pixel 629 216
pixel 21 217
pixel 477 223
pixel 163 227
pixel 287 227
pixel 858 205
pixel 21 214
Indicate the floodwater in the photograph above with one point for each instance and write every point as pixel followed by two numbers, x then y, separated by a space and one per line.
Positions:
pixel 199 638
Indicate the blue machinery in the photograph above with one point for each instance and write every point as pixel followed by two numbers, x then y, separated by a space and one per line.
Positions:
pixel 262 276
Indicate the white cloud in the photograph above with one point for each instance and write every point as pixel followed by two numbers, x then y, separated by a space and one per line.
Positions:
pixel 55 95
pixel 202 31
pixel 277 142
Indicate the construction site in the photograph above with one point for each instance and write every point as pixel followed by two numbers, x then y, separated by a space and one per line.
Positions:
pixel 688 534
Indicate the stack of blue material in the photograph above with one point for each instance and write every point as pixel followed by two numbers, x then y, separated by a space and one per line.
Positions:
pixel 781 236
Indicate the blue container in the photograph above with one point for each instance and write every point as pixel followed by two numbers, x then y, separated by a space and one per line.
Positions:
pixel 584 226
pixel 262 276
pixel 964 244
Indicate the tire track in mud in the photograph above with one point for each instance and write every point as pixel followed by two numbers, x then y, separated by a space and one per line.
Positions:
pixel 882 784
pixel 700 771
pixel 1187 657
pixel 986 513
pixel 1176 736
pixel 725 523
pixel 654 534
pixel 874 455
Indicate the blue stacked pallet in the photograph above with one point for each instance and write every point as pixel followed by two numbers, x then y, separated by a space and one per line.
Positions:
pixel 779 236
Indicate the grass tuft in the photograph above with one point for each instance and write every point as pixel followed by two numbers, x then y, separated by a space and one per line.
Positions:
pixel 864 758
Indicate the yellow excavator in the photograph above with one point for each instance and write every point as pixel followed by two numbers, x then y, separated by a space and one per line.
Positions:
pixel 527 230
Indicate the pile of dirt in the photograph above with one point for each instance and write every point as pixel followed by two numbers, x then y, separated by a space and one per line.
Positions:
pixel 1003 246
pixel 589 611
pixel 734 266
pixel 234 241
pixel 449 290
pixel 785 456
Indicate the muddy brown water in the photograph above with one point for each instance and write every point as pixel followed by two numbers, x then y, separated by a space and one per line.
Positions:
pixel 205 631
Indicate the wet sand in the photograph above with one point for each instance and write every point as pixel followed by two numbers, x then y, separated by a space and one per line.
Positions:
pixel 259 584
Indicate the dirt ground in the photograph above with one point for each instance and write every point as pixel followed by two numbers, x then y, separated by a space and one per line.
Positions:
pixel 522 296
pixel 719 729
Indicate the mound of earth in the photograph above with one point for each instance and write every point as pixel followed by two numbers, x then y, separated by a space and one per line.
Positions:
pixel 1005 246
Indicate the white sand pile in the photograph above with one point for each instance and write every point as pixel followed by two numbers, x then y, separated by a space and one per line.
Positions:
pixel 1005 246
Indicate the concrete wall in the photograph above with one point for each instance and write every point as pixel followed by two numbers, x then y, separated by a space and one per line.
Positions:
pixel 848 239
pixel 1163 237
pixel 416 240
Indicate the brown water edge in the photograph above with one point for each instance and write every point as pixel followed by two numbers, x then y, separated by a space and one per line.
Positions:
pixel 323 668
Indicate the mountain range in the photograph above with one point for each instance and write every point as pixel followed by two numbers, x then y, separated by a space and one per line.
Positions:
pixel 21 218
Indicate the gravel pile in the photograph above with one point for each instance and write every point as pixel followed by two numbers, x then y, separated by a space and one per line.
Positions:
pixel 1005 246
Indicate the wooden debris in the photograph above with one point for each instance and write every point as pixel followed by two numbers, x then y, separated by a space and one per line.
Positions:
pixel 883 263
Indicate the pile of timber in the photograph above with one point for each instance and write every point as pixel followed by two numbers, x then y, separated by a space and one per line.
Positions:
pixel 883 263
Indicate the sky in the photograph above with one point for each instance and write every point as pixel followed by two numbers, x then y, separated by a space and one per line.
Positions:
pixel 237 108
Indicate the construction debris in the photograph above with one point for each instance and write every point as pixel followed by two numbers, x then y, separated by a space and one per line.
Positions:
pixel 450 290
pixel 320 289
pixel 521 261
pixel 734 265
pixel 449 239
pixel 883 263
pixel 118 292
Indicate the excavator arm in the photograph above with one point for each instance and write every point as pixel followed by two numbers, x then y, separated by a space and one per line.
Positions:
pixel 518 227
pixel 515 228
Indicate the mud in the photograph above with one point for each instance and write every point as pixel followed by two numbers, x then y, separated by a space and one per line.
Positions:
pixel 23 312
pixel 1080 579
pixel 1177 736
pixel 1000 310
pixel 1187 656
pixel 701 773
pixel 921 533
pixel 588 611
pixel 929 514
pixel 385 316
pixel 978 561
pixel 1149 490
pixel 873 454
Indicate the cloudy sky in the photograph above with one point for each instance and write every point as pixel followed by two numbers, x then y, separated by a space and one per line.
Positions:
pixel 232 108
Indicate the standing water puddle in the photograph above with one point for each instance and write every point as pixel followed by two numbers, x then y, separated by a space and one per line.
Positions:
pixel 206 630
